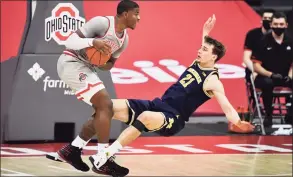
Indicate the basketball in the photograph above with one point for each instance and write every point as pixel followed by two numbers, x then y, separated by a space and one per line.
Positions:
pixel 96 57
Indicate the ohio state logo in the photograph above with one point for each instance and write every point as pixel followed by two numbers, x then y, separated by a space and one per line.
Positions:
pixel 82 76
pixel 63 22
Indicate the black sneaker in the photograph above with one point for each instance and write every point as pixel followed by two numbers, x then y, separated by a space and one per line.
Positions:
pixel 72 155
pixel 110 168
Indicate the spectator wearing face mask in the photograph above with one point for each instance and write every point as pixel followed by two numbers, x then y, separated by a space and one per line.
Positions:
pixel 273 64
pixel 252 39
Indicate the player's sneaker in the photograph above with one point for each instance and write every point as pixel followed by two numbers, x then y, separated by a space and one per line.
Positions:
pixel 54 156
pixel 109 168
pixel 72 155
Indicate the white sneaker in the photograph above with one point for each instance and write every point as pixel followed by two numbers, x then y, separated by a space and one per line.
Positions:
pixel 99 159
pixel 54 156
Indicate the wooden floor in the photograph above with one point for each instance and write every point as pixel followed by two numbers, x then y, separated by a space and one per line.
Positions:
pixel 164 165
pixel 184 156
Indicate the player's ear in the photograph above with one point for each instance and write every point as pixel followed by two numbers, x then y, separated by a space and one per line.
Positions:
pixel 214 57
pixel 125 14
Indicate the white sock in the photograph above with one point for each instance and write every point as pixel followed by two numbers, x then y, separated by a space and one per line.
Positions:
pixel 102 146
pixel 78 142
pixel 114 148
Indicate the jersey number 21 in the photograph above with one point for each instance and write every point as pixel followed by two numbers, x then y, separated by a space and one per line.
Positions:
pixel 188 79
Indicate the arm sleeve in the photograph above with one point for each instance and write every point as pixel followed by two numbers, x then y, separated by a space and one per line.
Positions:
pixel 76 43
pixel 123 47
pixel 97 26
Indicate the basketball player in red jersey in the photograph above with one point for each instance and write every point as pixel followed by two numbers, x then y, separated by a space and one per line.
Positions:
pixel 108 35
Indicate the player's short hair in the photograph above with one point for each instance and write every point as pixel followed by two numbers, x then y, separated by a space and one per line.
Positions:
pixel 219 49
pixel 125 6
pixel 267 11
pixel 280 15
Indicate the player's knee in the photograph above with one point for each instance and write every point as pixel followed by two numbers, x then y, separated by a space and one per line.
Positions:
pixel 107 105
pixel 138 125
pixel 144 118
pixel 142 121
pixel 102 102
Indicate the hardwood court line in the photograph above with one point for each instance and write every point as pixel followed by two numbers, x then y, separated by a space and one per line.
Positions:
pixel 16 173
pixel 239 163
pixel 71 170
pixel 255 156
pixel 64 169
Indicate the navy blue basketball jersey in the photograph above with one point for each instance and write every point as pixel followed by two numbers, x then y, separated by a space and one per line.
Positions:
pixel 187 94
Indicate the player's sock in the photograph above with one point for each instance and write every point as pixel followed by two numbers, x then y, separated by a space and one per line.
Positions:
pixel 102 146
pixel 78 142
pixel 114 148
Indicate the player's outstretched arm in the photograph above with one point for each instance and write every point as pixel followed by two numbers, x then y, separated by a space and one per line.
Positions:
pixel 208 26
pixel 216 86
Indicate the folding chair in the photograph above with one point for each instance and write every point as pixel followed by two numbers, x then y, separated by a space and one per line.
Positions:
pixel 279 108
pixel 251 99
pixel 281 94
pixel 256 109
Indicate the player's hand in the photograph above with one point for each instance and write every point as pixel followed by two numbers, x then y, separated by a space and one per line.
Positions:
pixel 209 25
pixel 276 76
pixel 102 46
pixel 287 79
pixel 245 126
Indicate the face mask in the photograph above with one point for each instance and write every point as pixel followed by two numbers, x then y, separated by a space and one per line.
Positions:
pixel 266 24
pixel 278 31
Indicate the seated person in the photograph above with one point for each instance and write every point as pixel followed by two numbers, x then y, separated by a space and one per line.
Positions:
pixel 252 40
pixel 273 64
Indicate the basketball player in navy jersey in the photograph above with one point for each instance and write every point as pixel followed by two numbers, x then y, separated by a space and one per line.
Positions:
pixel 167 115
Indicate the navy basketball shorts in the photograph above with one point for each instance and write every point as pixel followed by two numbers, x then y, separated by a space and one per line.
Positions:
pixel 173 123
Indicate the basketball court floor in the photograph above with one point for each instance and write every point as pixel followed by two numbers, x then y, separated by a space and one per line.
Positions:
pixel 166 156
